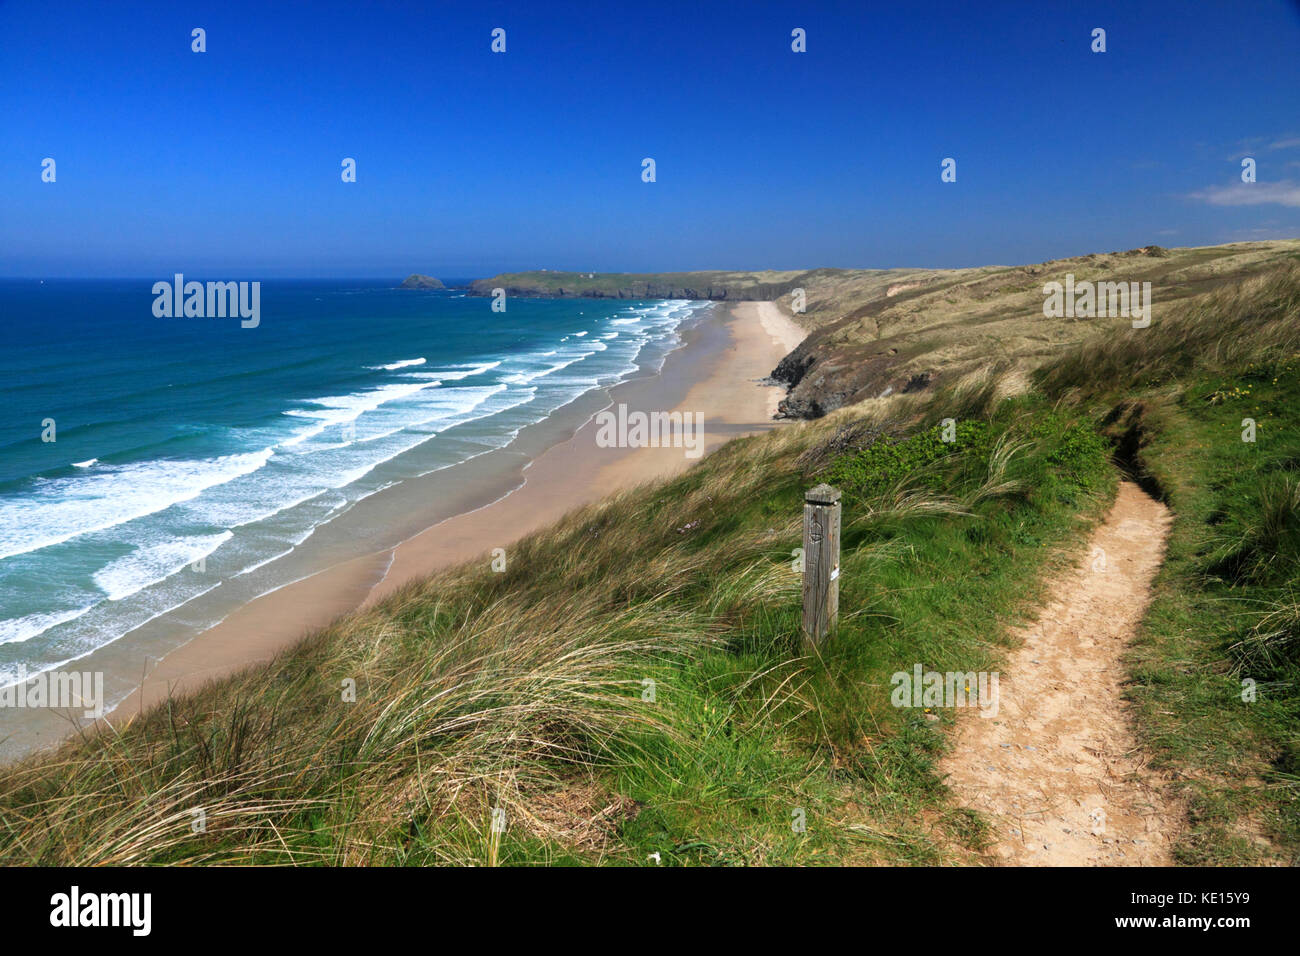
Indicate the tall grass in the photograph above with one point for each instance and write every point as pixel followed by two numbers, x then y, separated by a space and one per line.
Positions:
pixel 634 657
pixel 1229 328
pixel 1216 676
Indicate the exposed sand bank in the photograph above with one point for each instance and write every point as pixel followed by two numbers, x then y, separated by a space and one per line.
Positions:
pixel 715 374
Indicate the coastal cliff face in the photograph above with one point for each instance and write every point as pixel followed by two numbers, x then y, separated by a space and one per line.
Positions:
pixel 819 380
pixel 874 332
pixel 417 281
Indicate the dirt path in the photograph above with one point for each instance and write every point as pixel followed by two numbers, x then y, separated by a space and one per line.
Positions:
pixel 1057 771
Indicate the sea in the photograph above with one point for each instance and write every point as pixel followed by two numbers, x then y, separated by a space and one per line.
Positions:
pixel 147 461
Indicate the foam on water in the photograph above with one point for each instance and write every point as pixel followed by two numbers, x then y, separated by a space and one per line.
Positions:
pixel 149 565
pixel 53 510
pixel 396 365
pixel 17 630
pixel 138 525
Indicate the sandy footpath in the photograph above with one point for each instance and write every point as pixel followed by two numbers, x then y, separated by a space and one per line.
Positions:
pixel 1058 771
pixel 715 375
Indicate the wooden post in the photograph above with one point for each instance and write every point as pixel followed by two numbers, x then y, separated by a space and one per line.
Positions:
pixel 821 562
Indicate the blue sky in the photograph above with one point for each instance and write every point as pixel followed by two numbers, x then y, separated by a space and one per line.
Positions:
pixel 469 162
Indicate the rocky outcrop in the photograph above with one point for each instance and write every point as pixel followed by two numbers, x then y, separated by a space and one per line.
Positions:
pixel 822 376
pixel 791 369
pixel 417 281
pixel 824 373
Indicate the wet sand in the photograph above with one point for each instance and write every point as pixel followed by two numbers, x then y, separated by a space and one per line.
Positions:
pixel 715 374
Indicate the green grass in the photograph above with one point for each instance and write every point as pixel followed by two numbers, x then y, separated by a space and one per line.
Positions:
pixel 817 734
pixel 1225 612
pixel 1224 609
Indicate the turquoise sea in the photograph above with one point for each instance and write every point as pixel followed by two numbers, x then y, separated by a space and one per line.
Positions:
pixel 194 444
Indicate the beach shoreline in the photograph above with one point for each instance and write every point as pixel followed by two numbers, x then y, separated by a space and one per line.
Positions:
pixel 718 373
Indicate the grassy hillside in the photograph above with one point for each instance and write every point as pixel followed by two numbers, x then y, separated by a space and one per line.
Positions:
pixel 634 684
pixel 868 337
pixel 526 691
pixel 1216 677
pixel 878 330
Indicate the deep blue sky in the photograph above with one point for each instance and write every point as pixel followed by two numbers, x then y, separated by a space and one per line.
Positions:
pixel 226 163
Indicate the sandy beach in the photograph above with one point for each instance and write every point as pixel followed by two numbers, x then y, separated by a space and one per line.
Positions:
pixel 716 374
